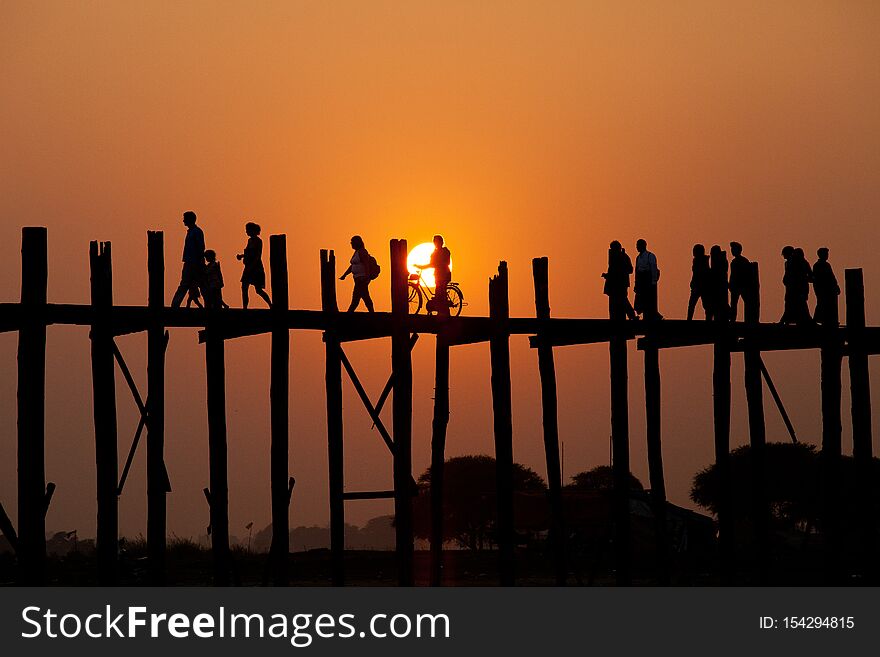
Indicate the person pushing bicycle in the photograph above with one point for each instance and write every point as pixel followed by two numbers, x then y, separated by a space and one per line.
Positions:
pixel 440 263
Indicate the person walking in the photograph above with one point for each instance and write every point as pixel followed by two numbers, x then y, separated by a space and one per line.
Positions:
pixel 647 277
pixel 718 284
pixel 193 262
pixel 699 281
pixel 827 290
pixel 252 258
pixel 212 285
pixel 360 267
pixel 803 279
pixel 617 283
pixel 788 311
pixel 741 275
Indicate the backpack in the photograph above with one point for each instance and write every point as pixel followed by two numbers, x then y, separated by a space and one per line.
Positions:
pixel 373 268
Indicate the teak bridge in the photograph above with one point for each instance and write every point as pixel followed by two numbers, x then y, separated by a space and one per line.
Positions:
pixel 33 314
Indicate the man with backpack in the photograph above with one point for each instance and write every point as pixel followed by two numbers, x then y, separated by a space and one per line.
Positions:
pixel 365 269
pixel 617 283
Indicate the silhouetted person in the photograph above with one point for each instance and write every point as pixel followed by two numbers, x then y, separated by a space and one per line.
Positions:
pixel 254 273
pixel 788 313
pixel 741 282
pixel 647 276
pixel 192 297
pixel 798 275
pixel 193 262
pixel 699 281
pixel 441 260
pixel 720 309
pixel 212 282
pixel 797 278
pixel 827 290
pixel 617 283
pixel 360 270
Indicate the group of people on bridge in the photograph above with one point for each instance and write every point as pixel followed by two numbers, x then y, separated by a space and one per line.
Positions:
pixel 720 285
pixel 202 276
pixel 717 283
pixel 364 269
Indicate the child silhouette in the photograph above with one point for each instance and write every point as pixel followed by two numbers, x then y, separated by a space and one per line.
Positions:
pixel 212 285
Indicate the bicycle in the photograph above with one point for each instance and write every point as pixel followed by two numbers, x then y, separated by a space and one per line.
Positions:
pixel 419 291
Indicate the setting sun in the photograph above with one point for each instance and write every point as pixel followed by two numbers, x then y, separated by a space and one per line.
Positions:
pixel 421 255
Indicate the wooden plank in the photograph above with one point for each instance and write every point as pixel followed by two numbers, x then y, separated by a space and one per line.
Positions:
pixel 32 407
pixel 333 385
pixel 369 495
pixel 499 349
pixel 860 395
pixel 550 422
pixel 104 412
pixel 10 317
pixel 279 394
pixel 156 474
pixel 236 322
pixel 401 366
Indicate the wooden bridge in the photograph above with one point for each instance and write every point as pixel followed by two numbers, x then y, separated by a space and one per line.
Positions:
pixel 30 317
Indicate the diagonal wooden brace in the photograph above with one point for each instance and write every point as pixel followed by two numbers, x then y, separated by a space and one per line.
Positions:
pixel 207 492
pixel 144 409
pixel 8 530
pixel 50 491
pixel 373 411
pixel 778 400
pixel 290 484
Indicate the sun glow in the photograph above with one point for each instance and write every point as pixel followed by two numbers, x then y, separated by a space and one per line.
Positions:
pixel 421 255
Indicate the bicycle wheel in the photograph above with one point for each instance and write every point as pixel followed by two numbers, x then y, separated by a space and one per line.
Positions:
pixel 415 299
pixel 456 300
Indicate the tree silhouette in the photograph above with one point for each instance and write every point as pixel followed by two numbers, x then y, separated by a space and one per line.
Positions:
pixel 469 499
pixel 599 478
pixel 792 481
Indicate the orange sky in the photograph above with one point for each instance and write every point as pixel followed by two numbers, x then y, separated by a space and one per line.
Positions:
pixel 516 129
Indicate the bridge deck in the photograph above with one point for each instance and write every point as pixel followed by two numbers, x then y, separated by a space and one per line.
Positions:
pixel 237 322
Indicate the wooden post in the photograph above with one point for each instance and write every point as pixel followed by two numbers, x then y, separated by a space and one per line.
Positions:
pixel 721 408
pixel 279 394
pixel 215 370
pixel 156 475
pixel 401 366
pixel 860 393
pixel 333 383
pixel 438 455
pixel 757 434
pixel 32 406
pixel 830 456
pixel 547 370
pixel 104 410
pixel 499 348
pixel 620 455
pixel 655 459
